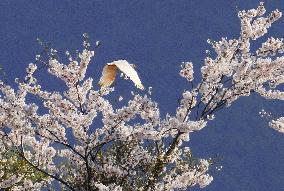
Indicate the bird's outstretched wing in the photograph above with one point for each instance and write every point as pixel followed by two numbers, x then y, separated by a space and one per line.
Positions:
pixel 129 71
pixel 108 75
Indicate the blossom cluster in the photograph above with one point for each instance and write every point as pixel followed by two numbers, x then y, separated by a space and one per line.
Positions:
pixel 278 124
pixel 187 71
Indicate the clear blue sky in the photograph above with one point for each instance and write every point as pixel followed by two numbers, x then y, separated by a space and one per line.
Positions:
pixel 158 36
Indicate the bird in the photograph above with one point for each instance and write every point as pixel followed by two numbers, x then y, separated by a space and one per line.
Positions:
pixel 110 69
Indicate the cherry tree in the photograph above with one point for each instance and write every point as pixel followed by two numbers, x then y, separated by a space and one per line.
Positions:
pixel 133 147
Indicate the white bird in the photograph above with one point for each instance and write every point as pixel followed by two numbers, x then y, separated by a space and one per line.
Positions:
pixel 109 73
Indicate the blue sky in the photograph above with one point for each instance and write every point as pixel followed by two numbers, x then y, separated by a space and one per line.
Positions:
pixel 157 36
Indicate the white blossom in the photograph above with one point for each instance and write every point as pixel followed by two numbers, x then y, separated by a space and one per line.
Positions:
pixel 278 124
